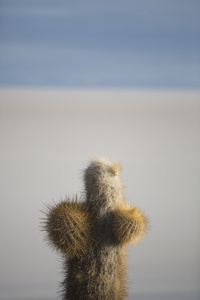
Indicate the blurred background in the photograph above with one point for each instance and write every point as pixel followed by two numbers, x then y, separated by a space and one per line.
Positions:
pixel 80 79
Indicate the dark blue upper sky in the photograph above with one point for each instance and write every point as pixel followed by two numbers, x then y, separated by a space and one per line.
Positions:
pixel 93 43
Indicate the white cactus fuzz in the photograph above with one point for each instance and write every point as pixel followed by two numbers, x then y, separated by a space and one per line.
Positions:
pixel 92 235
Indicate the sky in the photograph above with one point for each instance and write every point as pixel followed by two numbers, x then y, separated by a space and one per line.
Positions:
pixel 49 136
pixel 100 44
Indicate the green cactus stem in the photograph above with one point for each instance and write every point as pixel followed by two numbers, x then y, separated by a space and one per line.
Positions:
pixel 92 235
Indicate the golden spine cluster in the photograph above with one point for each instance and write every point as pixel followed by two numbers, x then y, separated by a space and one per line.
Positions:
pixel 128 225
pixel 69 228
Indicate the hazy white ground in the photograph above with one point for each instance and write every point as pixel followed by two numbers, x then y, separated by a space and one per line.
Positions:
pixel 47 138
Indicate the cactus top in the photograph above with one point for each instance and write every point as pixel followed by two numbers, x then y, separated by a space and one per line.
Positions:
pixel 102 185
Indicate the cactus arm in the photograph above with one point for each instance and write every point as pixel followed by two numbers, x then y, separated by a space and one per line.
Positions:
pixel 128 225
pixel 69 228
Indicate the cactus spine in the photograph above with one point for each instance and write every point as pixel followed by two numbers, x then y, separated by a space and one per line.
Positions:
pixel 92 235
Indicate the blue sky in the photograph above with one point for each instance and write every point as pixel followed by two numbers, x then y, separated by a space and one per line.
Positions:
pixel 103 44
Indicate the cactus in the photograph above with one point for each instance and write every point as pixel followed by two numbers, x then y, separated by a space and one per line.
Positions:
pixel 92 235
